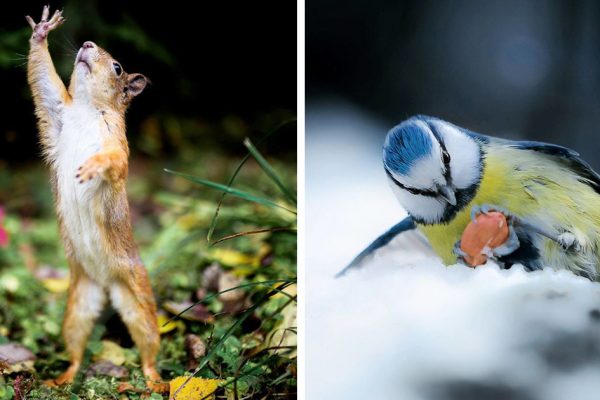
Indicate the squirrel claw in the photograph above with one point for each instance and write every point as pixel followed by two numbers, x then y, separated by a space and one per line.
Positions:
pixel 94 166
pixel 41 29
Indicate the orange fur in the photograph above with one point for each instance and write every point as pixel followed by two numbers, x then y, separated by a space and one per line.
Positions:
pixel 116 269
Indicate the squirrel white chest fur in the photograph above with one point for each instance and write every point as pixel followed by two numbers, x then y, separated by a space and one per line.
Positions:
pixel 80 205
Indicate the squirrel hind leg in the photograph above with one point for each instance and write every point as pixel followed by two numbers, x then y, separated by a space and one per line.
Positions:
pixel 84 305
pixel 132 297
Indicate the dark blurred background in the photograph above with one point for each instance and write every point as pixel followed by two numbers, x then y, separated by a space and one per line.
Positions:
pixel 510 68
pixel 220 71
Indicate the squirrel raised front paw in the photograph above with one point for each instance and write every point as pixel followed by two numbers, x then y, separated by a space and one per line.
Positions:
pixel 94 166
pixel 41 29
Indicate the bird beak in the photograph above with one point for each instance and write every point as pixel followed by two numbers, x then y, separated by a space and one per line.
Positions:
pixel 447 194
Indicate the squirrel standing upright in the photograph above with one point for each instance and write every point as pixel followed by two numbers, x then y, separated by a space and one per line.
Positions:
pixel 82 131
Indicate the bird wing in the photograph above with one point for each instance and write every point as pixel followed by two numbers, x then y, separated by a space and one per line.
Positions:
pixel 405 231
pixel 570 158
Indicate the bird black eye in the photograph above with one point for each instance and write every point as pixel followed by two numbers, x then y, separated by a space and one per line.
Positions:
pixel 445 157
pixel 118 69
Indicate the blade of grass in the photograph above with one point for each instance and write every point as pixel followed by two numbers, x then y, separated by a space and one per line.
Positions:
pixel 243 316
pixel 213 223
pixel 264 164
pixel 240 234
pixel 209 297
pixel 227 189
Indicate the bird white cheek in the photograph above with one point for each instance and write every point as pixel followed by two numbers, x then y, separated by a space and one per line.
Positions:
pixel 465 155
pixel 428 209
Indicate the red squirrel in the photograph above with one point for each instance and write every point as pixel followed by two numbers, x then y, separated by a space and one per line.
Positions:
pixel 82 132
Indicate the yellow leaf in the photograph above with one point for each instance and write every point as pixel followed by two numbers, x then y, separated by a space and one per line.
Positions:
pixel 56 285
pixel 232 258
pixel 111 352
pixel 196 388
pixel 162 328
pixel 291 290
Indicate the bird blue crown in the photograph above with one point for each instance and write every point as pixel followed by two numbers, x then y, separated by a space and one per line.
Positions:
pixel 405 144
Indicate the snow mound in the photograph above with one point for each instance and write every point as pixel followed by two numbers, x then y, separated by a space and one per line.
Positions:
pixel 429 331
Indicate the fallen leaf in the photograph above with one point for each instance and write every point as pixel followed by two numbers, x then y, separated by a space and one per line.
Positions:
pixel 233 258
pixel 162 320
pixel 195 389
pixel 229 281
pixel 56 285
pixel 127 387
pixel 106 368
pixel 233 301
pixel 16 357
pixel 53 279
pixel 196 349
pixel 111 352
pixel 196 313
pixel 210 277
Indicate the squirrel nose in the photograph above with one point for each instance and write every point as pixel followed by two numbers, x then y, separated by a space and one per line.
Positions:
pixel 88 45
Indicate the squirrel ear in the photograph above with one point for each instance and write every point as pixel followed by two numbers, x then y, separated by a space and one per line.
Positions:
pixel 136 84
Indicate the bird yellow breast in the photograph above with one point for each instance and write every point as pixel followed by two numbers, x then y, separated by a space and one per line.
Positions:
pixel 532 186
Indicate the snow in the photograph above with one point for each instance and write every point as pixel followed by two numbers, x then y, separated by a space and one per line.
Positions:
pixel 406 326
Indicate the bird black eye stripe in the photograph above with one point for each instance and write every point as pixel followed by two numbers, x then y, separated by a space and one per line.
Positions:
pixel 420 192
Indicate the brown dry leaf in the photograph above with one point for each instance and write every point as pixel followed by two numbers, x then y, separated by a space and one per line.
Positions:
pixel 196 388
pixel 228 281
pixel 16 358
pixel 196 349
pixel 210 277
pixel 127 387
pixel 106 368
pixel 196 313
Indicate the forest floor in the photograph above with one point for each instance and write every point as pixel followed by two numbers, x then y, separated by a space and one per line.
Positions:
pixel 238 344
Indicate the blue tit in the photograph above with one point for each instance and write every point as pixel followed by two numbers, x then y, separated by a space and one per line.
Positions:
pixel 443 175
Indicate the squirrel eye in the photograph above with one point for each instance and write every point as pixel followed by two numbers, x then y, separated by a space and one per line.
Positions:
pixel 445 157
pixel 118 69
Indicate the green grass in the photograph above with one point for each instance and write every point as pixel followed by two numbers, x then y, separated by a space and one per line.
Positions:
pixel 250 345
